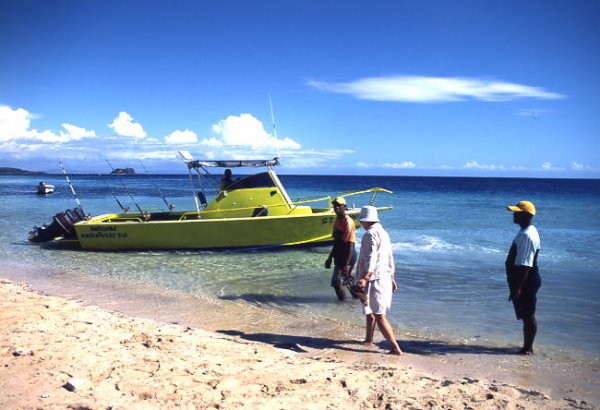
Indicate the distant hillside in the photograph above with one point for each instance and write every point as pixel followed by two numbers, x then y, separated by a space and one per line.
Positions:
pixel 123 171
pixel 17 171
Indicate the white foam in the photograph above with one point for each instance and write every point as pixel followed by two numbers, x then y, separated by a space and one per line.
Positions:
pixel 435 244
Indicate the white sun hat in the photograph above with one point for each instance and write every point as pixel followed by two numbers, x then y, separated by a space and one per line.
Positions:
pixel 368 213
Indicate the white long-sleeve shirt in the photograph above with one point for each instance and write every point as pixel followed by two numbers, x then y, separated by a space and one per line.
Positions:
pixel 376 254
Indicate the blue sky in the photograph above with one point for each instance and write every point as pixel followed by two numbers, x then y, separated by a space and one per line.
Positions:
pixel 472 88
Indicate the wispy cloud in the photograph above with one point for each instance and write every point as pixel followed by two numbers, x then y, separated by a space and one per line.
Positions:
pixel 535 114
pixel 474 165
pixel 576 166
pixel 400 165
pixel 388 165
pixel 419 89
pixel 477 165
pixel 547 166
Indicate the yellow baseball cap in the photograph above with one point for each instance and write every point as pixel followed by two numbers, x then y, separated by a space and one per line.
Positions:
pixel 339 200
pixel 523 206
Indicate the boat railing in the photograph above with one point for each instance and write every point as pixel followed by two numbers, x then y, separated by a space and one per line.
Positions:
pixel 293 204
pixel 329 199
pixel 195 215
pixel 375 192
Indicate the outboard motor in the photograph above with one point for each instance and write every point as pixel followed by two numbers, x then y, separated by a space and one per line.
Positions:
pixel 61 225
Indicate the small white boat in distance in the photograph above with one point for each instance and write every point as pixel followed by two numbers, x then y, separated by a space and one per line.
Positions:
pixel 44 189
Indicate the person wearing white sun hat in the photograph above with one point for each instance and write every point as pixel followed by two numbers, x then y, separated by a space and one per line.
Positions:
pixel 375 271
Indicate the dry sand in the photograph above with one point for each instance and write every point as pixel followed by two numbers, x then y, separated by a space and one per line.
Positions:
pixel 57 353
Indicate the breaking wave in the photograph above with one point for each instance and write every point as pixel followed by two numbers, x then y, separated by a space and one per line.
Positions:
pixel 433 244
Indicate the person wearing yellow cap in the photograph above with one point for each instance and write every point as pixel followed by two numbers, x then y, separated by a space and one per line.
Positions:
pixel 342 253
pixel 522 272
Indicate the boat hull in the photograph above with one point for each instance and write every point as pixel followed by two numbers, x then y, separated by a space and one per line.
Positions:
pixel 222 233
pixel 45 189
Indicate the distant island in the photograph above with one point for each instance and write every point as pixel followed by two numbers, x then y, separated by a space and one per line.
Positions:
pixel 123 171
pixel 17 171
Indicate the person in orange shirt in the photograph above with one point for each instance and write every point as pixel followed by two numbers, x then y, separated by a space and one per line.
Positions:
pixel 342 253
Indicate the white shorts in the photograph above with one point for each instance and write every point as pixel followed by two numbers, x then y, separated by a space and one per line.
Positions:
pixel 379 293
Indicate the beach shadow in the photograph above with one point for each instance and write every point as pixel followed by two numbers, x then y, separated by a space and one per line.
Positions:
pixel 278 300
pixel 435 347
pixel 299 343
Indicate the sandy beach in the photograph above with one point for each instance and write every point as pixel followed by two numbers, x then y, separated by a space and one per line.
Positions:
pixel 59 353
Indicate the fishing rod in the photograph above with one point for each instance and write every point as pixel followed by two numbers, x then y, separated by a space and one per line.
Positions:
pixel 126 190
pixel 112 192
pixel 169 206
pixel 70 185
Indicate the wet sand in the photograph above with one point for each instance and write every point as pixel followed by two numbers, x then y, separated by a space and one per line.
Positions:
pixel 60 353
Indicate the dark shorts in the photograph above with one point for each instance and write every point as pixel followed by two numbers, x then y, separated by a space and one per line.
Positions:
pixel 525 305
pixel 337 279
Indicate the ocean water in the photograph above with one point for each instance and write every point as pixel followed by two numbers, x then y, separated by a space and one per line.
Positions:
pixel 450 238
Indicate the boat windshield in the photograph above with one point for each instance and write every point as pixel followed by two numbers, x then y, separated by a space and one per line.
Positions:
pixel 260 180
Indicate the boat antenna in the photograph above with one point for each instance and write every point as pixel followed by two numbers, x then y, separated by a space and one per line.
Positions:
pixel 273 121
pixel 112 192
pixel 70 184
pixel 126 190
pixel 169 206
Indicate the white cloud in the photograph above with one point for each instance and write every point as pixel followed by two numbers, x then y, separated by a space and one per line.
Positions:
pixel 236 137
pixel 547 166
pixel 421 89
pixel 246 130
pixel 535 114
pixel 124 126
pixel 400 165
pixel 313 158
pixel 476 165
pixel 16 125
pixel 212 142
pixel 182 137
pixel 76 133
pixel 391 165
pixel 576 166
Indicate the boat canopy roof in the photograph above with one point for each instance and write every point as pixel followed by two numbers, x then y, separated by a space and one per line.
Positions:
pixel 233 163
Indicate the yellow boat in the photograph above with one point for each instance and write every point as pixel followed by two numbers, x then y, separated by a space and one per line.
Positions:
pixel 253 212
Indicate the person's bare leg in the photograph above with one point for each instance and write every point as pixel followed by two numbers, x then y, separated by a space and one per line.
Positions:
pixel 529 332
pixel 370 329
pixel 339 292
pixel 388 333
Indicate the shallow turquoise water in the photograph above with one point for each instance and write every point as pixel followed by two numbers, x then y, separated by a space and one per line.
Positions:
pixel 450 237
